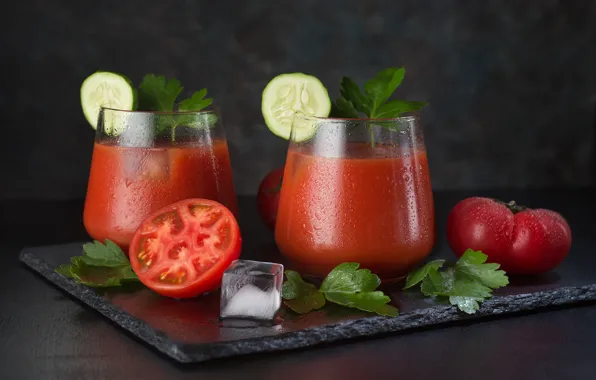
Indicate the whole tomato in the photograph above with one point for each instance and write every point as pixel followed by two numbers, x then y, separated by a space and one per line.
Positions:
pixel 268 197
pixel 522 240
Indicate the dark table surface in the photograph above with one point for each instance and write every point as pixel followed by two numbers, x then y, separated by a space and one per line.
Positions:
pixel 44 334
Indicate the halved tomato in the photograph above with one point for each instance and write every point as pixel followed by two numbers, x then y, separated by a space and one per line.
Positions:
pixel 183 249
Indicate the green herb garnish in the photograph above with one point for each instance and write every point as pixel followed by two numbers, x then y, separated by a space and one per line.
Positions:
pixel 101 265
pixel 466 284
pixel 301 296
pixel 156 93
pixel 196 102
pixel 345 285
pixel 373 101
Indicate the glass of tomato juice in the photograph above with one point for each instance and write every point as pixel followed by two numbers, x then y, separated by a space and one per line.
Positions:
pixel 356 190
pixel 143 161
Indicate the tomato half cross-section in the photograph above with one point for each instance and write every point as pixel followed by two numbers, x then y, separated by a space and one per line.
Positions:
pixel 182 250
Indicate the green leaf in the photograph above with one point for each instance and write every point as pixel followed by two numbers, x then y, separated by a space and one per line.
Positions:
pixel 196 102
pixel 64 270
pixel 108 255
pixel 301 296
pixel 157 94
pixel 420 274
pixel 293 286
pixel 351 93
pixel 344 108
pixel 380 88
pixel 467 283
pixel 347 277
pixel 352 287
pixel 374 302
pixel 395 108
pixel 468 305
pixel 438 283
pixel 101 265
pixel 473 263
pixel 345 285
pixel 99 276
pixel 468 291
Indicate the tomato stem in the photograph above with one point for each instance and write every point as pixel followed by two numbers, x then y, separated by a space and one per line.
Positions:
pixel 512 206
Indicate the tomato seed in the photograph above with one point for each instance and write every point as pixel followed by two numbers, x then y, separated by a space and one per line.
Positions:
pixel 174 278
pixel 211 218
pixel 170 221
pixel 194 210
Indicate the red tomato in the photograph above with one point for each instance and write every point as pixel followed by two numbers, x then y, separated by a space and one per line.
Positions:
pixel 522 240
pixel 183 249
pixel 268 197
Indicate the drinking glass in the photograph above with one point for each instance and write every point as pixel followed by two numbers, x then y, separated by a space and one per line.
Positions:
pixel 356 190
pixel 143 161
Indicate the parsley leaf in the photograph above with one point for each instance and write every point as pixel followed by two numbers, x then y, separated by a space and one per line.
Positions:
pixel 196 102
pixel 157 94
pixel 344 108
pixel 419 274
pixel 473 263
pixel 347 277
pixel 101 265
pixel 108 255
pixel 438 283
pixel 345 285
pixel 350 92
pixel 466 284
pixel 397 107
pixel 380 88
pixel 373 101
pixel 374 302
pixel 301 296
pixel 468 305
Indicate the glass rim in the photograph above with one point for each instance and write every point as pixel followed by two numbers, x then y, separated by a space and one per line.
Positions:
pixel 208 110
pixel 408 118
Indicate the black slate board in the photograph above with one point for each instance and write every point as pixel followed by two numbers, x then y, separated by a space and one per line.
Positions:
pixel 189 331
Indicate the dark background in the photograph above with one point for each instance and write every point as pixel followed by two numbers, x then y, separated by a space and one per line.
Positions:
pixel 511 84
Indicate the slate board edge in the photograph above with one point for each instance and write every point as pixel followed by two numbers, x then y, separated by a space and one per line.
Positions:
pixel 350 329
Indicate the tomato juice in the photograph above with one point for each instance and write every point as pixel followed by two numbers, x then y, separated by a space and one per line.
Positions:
pixel 371 205
pixel 126 184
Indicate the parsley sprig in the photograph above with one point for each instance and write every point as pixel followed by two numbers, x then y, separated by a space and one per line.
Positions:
pixel 466 284
pixel 345 285
pixel 101 265
pixel 156 93
pixel 373 101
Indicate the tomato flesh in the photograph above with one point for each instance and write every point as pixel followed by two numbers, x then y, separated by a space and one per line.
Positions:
pixel 182 250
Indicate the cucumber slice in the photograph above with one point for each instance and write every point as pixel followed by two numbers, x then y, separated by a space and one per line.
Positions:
pixel 106 89
pixel 287 94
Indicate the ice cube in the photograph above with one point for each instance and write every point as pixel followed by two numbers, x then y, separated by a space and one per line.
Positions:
pixel 251 302
pixel 146 163
pixel 251 290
